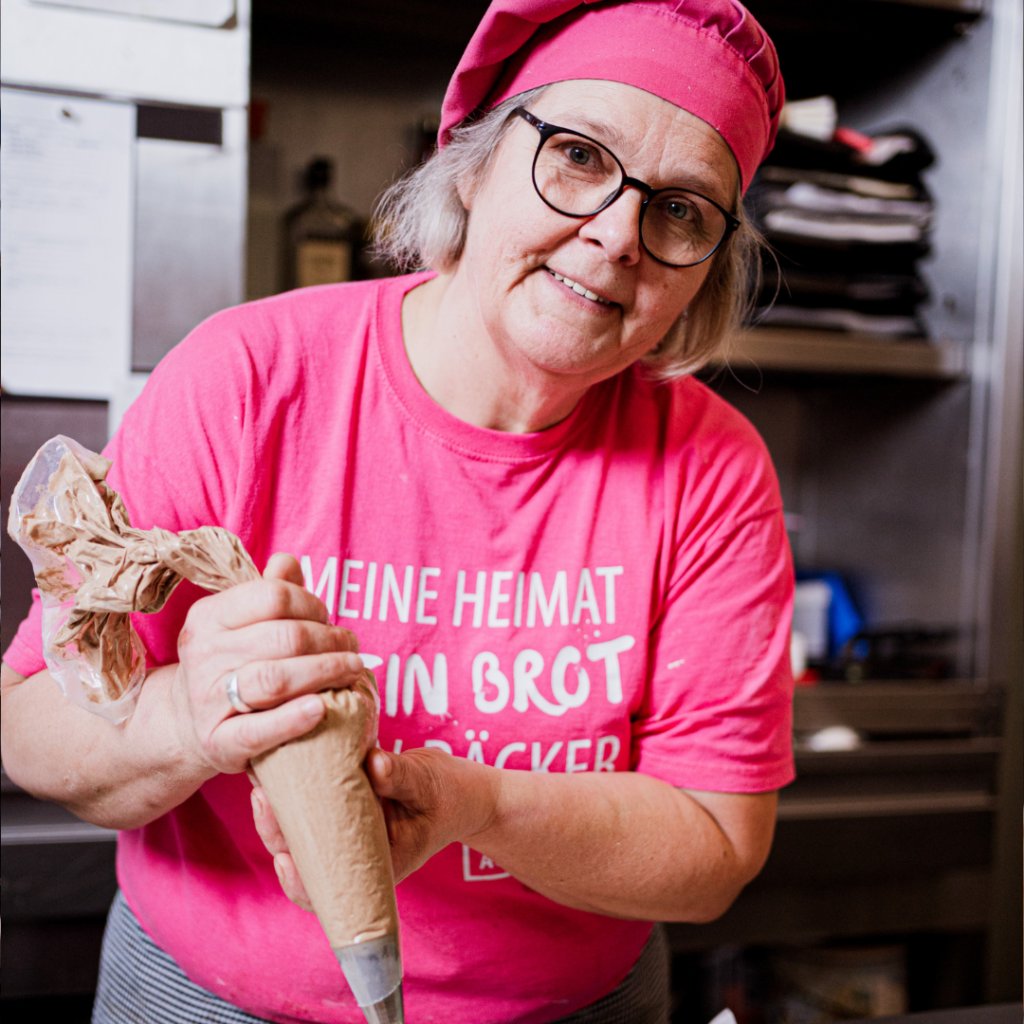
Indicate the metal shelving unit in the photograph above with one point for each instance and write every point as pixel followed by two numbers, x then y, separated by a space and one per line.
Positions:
pixel 901 461
pixel 953 707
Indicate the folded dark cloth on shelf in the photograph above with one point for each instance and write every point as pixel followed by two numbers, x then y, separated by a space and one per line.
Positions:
pixel 840 228
pixel 812 212
pixel 846 228
pixel 844 256
pixel 857 184
pixel 813 198
pixel 804 209
pixel 780 315
pixel 906 158
pixel 881 294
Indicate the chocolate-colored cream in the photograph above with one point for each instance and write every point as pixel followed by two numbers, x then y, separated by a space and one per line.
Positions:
pixel 333 821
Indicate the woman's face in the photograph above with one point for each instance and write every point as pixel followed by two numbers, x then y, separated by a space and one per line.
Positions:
pixel 515 243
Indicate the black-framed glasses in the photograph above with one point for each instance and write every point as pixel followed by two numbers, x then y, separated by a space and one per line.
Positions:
pixel 578 176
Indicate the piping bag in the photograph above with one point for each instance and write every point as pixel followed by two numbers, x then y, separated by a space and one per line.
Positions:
pixel 93 570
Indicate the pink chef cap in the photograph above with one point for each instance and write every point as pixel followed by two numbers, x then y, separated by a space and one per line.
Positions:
pixel 709 57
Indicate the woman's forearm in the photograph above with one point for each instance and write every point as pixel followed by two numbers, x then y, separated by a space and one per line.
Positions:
pixel 627 844
pixel 116 776
pixel 272 634
pixel 623 844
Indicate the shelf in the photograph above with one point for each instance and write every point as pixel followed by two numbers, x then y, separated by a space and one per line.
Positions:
pixel 897 708
pixel 887 756
pixel 954 900
pixel 808 351
pixel 882 805
pixel 25 821
pixel 47 834
pixel 963 6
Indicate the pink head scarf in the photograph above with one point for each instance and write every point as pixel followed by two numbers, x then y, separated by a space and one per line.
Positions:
pixel 709 57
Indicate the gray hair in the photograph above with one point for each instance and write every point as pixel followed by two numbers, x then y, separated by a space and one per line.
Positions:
pixel 420 222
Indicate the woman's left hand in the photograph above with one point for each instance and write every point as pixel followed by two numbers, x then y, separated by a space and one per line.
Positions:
pixel 430 799
pixel 620 843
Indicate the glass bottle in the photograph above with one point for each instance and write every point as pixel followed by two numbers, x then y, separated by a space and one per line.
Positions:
pixel 320 234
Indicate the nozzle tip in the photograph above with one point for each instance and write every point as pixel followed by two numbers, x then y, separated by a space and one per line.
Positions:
pixel 390 1010
pixel 373 970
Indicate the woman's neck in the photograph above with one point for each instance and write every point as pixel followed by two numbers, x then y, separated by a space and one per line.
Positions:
pixel 465 372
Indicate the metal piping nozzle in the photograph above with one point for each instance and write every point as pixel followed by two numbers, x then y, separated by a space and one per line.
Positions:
pixel 373 970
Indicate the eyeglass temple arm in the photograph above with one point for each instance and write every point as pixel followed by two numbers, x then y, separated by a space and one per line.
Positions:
pixel 546 130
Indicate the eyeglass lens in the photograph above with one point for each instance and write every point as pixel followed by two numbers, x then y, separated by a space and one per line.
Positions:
pixel 578 177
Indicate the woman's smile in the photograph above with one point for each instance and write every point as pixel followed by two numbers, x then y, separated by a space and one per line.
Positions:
pixel 578 288
pixel 580 295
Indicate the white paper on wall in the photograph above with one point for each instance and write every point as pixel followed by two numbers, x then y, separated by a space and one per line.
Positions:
pixel 81 49
pixel 66 190
pixel 211 13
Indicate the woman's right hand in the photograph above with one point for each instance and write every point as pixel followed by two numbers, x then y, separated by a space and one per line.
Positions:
pixel 279 639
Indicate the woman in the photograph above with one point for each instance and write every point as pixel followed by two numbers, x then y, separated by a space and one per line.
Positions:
pixel 570 578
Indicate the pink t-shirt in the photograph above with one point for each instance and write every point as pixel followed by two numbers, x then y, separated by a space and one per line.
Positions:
pixel 611 594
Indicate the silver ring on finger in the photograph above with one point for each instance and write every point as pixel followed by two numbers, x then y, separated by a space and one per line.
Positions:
pixel 233 696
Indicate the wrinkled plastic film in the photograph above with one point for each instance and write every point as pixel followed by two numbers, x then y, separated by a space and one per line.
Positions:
pixel 94 569
pixel 43 521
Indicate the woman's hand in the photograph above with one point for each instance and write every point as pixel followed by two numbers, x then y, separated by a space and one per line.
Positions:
pixel 430 799
pixel 279 640
pixel 620 843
